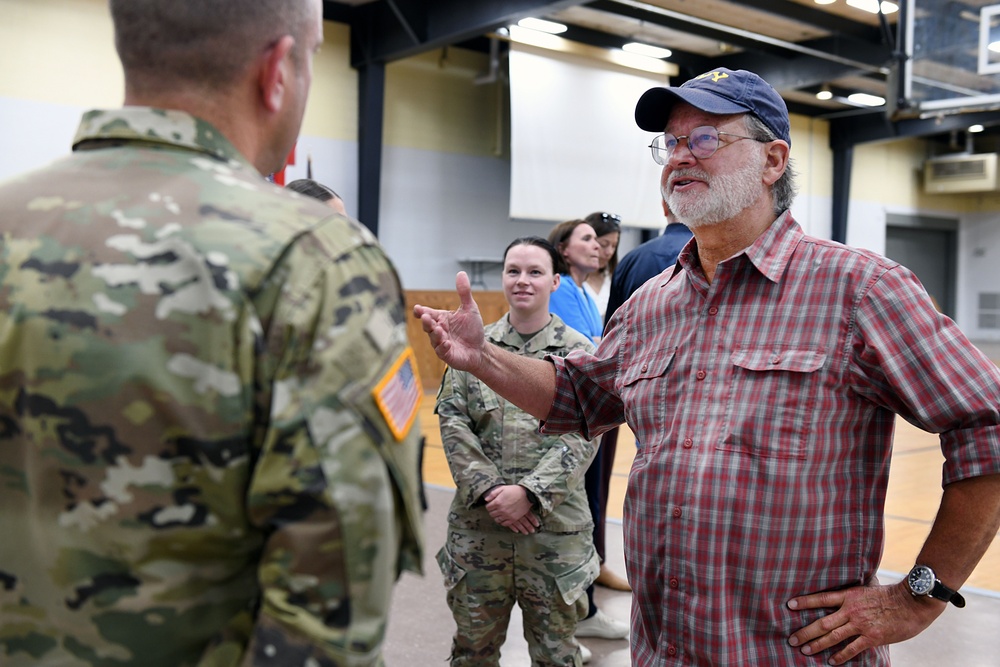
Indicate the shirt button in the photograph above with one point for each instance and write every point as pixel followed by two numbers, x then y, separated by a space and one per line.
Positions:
pixel 700 375
pixel 671 650
pixel 688 443
pixel 713 311
pixel 677 512
pixel 775 359
pixel 645 368
pixel 674 583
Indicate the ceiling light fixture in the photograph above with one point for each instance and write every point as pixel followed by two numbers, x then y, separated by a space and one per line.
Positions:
pixel 865 99
pixel 647 50
pixel 994 46
pixel 975 129
pixel 824 94
pixel 549 42
pixel 872 6
pixel 542 25
pixel 825 2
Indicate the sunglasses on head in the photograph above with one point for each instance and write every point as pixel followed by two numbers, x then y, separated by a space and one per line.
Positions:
pixel 611 219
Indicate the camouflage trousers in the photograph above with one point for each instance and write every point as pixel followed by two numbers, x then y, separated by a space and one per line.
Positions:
pixel 546 574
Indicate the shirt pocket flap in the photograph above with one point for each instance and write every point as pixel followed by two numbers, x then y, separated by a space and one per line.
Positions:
pixel 795 361
pixel 648 367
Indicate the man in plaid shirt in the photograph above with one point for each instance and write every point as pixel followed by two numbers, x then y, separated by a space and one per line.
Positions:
pixel 762 376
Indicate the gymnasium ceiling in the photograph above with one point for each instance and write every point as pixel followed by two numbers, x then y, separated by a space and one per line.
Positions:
pixel 798 46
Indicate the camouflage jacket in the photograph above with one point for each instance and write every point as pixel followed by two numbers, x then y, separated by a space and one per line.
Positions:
pixel 207 440
pixel 489 441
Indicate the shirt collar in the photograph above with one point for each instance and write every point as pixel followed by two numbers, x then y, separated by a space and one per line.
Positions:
pixel 503 333
pixel 155 126
pixel 773 249
pixel 770 253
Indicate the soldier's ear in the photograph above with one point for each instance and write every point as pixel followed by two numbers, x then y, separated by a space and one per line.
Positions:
pixel 555 282
pixel 274 69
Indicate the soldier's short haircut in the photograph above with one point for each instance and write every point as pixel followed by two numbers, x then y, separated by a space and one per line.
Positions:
pixel 164 43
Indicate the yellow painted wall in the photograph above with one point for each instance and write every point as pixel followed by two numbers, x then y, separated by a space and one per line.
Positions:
pixel 332 110
pixel 433 103
pixel 812 157
pixel 892 173
pixel 60 52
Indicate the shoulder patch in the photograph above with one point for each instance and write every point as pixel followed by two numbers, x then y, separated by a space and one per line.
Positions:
pixel 398 394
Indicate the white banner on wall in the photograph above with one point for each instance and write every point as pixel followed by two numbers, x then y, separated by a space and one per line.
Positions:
pixel 575 147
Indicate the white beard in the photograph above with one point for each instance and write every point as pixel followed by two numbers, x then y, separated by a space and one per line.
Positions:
pixel 727 195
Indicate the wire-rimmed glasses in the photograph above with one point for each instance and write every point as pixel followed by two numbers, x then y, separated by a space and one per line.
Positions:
pixel 702 142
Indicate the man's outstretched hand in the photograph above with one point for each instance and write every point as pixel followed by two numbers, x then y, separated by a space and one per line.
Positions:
pixel 456 335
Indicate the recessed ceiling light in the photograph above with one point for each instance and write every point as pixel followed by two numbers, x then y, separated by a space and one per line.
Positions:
pixel 647 50
pixel 866 99
pixel 824 94
pixel 542 25
pixel 976 128
pixel 825 2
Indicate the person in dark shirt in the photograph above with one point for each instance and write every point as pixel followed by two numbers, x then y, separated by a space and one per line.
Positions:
pixel 649 259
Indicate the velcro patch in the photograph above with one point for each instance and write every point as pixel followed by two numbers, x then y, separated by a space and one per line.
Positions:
pixel 398 394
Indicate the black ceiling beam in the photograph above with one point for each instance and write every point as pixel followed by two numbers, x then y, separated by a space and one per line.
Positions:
pixel 860 129
pixel 789 73
pixel 383 32
pixel 337 11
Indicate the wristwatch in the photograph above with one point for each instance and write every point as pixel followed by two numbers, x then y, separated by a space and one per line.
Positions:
pixel 922 581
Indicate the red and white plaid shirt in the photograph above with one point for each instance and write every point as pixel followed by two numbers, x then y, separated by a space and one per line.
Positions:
pixel 764 406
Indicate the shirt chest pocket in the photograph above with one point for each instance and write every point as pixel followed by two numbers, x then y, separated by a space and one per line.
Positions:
pixel 772 401
pixel 643 391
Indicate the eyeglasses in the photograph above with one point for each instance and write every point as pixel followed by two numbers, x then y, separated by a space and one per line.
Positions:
pixel 702 142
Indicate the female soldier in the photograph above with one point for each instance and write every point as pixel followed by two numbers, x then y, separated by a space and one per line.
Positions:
pixel 519 526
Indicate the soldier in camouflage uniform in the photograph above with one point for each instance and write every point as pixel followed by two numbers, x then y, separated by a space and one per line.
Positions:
pixel 207 399
pixel 520 529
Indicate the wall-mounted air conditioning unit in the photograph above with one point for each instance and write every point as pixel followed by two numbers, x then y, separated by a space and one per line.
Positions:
pixel 961 173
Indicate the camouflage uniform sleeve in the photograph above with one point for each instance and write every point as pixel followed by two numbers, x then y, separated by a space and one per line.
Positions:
pixel 472 469
pixel 334 488
pixel 560 471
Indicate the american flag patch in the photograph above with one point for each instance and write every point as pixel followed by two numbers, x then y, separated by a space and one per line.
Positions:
pixel 398 394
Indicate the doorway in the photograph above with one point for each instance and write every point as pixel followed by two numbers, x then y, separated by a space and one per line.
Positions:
pixel 928 247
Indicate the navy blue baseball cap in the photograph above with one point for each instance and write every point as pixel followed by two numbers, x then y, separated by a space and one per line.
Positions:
pixel 722 91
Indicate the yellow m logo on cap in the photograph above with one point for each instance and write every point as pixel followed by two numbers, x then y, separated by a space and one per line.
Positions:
pixel 716 76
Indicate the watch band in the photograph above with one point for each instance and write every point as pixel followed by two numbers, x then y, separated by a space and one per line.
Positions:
pixel 942 592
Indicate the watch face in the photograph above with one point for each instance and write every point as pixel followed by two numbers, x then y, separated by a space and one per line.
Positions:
pixel 920 580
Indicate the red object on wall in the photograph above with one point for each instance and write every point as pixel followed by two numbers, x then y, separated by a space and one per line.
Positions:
pixel 279 177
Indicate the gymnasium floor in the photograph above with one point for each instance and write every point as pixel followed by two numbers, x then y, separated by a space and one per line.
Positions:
pixel 421 626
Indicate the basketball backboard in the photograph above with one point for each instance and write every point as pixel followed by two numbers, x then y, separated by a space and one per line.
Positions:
pixel 953 56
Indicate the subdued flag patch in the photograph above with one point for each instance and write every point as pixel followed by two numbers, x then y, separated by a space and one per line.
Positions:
pixel 398 394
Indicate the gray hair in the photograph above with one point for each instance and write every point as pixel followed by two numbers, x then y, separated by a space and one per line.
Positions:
pixel 206 43
pixel 784 189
